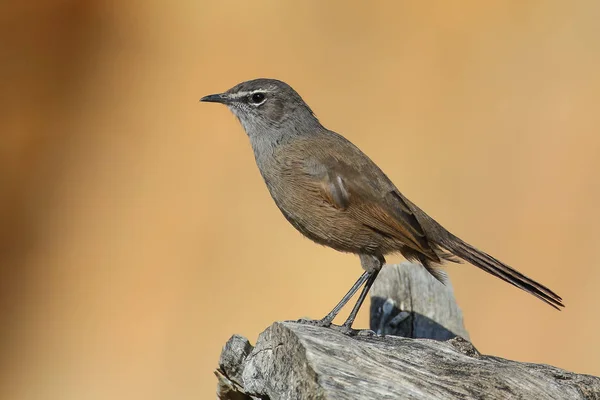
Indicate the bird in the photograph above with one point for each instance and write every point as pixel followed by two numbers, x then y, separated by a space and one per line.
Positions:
pixel 335 195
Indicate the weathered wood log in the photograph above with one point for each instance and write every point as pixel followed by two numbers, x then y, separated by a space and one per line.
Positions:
pixel 296 361
pixel 407 301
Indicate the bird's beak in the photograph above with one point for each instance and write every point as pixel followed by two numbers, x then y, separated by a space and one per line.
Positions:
pixel 216 98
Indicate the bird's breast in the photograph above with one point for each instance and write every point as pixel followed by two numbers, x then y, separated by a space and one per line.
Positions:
pixel 300 200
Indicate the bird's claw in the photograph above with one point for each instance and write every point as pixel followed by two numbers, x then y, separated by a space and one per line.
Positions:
pixel 323 323
pixel 345 329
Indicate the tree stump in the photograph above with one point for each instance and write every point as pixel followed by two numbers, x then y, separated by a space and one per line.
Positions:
pixel 417 349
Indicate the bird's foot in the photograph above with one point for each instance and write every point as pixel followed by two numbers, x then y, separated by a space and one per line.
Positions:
pixel 349 331
pixel 345 329
pixel 324 323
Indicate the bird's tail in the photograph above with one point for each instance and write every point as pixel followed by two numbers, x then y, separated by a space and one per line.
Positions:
pixel 453 244
pixel 497 268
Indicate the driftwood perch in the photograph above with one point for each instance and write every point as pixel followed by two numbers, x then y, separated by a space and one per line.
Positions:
pixel 407 301
pixel 294 361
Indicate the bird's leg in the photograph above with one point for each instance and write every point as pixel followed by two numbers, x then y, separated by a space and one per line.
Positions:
pixel 363 295
pixel 328 319
pixel 371 264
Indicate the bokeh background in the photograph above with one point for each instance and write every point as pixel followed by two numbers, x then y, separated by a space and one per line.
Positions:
pixel 136 234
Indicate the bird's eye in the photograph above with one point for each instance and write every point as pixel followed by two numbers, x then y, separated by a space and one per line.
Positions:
pixel 257 98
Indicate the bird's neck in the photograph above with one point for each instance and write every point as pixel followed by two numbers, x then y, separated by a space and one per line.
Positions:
pixel 265 140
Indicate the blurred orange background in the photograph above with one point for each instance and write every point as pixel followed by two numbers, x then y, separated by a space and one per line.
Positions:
pixel 136 234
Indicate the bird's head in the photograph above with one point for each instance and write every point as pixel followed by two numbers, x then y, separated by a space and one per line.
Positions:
pixel 264 105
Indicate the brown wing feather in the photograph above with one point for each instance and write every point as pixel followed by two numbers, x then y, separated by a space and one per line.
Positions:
pixel 371 202
pixel 334 191
pixel 402 227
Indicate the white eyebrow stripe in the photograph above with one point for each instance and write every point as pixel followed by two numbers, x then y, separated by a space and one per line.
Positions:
pixel 239 95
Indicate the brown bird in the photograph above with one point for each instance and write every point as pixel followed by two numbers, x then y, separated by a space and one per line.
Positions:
pixel 335 195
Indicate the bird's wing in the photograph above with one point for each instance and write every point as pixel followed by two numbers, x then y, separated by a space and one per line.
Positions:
pixel 357 186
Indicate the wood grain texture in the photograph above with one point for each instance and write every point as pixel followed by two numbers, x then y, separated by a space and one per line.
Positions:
pixel 297 361
pixel 407 301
